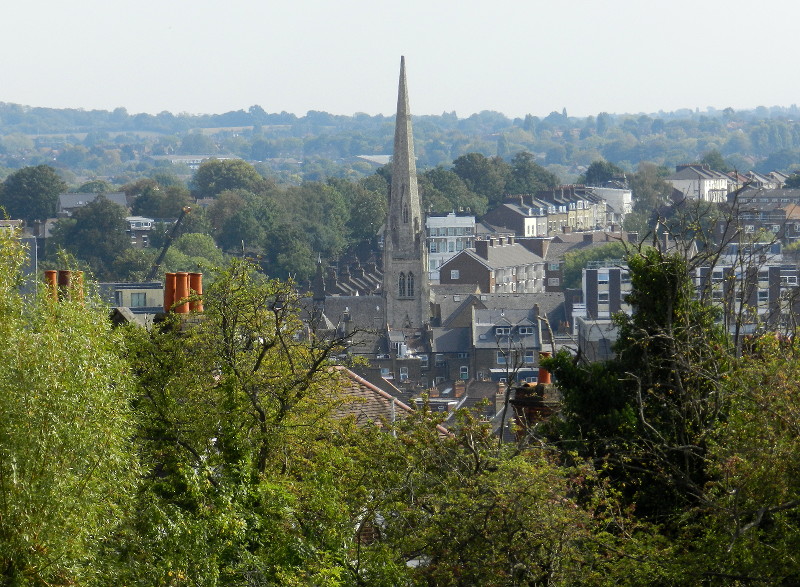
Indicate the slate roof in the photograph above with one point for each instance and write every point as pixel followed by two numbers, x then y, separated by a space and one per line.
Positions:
pixel 503 256
pixel 68 202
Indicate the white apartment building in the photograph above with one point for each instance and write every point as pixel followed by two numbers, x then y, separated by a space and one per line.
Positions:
pixel 447 236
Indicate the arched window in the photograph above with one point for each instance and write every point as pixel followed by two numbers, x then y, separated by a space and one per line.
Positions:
pixel 405 214
pixel 401 289
pixel 411 285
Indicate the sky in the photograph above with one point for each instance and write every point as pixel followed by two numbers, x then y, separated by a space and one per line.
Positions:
pixel 515 57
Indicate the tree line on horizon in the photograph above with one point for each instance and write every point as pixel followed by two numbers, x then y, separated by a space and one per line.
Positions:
pixel 121 147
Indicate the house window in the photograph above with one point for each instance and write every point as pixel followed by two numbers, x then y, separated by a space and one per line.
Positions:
pixel 602 278
pixel 403 373
pixel 553 281
pixel 529 358
pixel 411 285
pixel 138 300
pixel 554 266
pixel 763 295
pixel 463 372
pixel 401 286
pixel 433 246
pixel 463 355
pixel 384 372
pixel 423 361
pixel 439 360
pixel 454 274
pixel 501 358
pixel 502 330
pixel 525 330
pixel 602 296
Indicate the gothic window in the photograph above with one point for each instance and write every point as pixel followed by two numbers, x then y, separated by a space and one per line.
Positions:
pixel 411 285
pixel 401 290
pixel 405 214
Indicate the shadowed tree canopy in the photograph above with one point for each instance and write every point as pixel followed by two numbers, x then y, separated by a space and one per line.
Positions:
pixel 32 193
pixel 600 172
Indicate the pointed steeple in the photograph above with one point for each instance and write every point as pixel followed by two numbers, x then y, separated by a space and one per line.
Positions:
pixel 405 282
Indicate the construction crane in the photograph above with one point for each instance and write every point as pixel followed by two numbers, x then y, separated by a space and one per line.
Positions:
pixel 167 242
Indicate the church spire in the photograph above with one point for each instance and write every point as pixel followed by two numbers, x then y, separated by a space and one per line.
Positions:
pixel 405 254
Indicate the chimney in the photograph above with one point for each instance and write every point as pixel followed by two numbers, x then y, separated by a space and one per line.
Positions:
pixel 182 292
pixel 510 239
pixel 544 374
pixel 500 242
pixel 51 283
pixel 169 291
pixel 588 237
pixel 196 291
pixel 70 285
pixel 482 248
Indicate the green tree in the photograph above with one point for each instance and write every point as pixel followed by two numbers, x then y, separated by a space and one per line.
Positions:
pixel 32 193
pixel 217 175
pixel 599 172
pixel 715 161
pixel 66 465
pixel 96 234
pixel 484 176
pixel 158 202
pixel 528 177
pixel 96 186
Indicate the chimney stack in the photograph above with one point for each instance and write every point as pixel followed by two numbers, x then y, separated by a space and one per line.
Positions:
pixel 169 291
pixel 51 283
pixel 544 375
pixel 181 292
pixel 196 291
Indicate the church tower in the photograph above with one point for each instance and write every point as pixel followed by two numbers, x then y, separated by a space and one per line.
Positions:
pixel 405 262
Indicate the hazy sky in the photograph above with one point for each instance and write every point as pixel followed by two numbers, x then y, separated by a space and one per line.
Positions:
pixel 342 56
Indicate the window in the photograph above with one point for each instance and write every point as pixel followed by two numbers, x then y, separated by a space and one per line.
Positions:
pixel 763 295
pixel 403 373
pixel 384 372
pixel 433 246
pixel 526 330
pixel 528 358
pixel 454 274
pixel 463 355
pixel 439 360
pixel 423 361
pixel 405 214
pixel 410 285
pixel 553 281
pixel 502 330
pixel 463 372
pixel 451 247
pixel 501 358
pixel 401 285
pixel 602 278
pixel 138 300
pixel 602 296
pixel 554 266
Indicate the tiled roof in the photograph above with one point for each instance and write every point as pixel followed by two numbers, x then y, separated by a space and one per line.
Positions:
pixel 366 402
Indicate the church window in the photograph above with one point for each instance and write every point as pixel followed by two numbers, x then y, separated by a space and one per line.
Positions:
pixel 405 214
pixel 411 285
pixel 401 290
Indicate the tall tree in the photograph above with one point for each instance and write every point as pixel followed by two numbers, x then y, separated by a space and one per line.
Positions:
pixel 528 177
pixel 66 464
pixel 217 175
pixel 96 234
pixel 32 193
